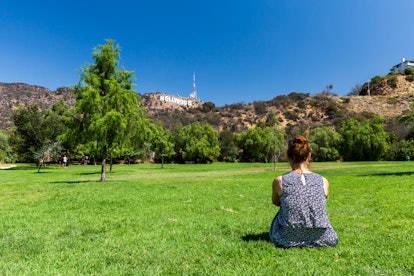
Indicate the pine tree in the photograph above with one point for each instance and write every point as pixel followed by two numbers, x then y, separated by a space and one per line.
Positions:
pixel 106 105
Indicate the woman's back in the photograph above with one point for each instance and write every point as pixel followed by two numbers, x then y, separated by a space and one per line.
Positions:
pixel 303 205
pixel 302 218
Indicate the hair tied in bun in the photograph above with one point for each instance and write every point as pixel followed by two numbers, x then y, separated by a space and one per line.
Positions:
pixel 298 140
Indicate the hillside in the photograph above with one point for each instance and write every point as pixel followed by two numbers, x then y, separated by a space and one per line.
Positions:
pixel 295 108
pixel 390 97
pixel 13 95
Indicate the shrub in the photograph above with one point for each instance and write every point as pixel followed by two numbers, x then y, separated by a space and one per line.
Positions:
pixel 375 80
pixel 409 71
pixel 393 100
pixel 207 106
pixel 294 96
pixel 259 107
pixel 410 78
pixel 291 115
pixel 392 81
pixel 281 100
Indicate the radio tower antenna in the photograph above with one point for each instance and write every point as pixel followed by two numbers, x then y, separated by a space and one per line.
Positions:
pixel 194 91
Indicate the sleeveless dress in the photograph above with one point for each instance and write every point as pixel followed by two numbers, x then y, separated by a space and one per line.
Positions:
pixel 302 220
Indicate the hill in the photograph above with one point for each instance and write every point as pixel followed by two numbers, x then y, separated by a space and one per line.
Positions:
pixel 390 96
pixel 13 95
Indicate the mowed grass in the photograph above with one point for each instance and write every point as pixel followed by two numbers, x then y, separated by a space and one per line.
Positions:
pixel 198 220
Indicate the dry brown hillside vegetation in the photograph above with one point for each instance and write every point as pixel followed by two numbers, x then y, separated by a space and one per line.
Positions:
pixel 13 95
pixel 391 96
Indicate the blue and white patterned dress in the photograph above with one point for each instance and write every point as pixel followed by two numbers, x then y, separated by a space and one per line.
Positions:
pixel 302 220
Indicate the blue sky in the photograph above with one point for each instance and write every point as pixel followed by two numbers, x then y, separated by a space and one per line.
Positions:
pixel 241 51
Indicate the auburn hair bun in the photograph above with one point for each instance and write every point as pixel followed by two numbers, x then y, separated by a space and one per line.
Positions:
pixel 298 149
pixel 300 139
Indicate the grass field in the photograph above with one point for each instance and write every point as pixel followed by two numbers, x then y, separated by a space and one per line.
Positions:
pixel 198 220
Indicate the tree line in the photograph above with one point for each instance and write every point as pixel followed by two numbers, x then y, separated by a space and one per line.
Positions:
pixel 109 123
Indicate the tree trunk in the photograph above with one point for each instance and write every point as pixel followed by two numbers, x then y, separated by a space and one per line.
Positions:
pixel 103 171
pixel 110 162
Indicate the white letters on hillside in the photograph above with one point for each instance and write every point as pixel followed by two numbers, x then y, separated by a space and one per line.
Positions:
pixel 179 101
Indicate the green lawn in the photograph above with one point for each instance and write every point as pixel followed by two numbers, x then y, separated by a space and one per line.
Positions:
pixel 198 219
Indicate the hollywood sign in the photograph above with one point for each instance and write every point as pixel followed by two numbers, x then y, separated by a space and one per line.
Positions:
pixel 179 101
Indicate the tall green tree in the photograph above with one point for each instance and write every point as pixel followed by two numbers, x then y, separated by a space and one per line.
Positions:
pixel 106 105
pixel 197 142
pixel 163 144
pixel 7 154
pixel 260 143
pixel 27 133
pixel 34 129
pixel 405 149
pixel 151 141
pixel 364 140
pixel 228 148
pixel 277 139
pixel 325 143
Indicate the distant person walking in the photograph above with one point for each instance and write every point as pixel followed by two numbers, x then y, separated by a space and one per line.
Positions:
pixel 85 160
pixel 65 161
pixel 302 220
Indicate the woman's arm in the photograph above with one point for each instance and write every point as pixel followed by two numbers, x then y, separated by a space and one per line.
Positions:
pixel 277 190
pixel 326 186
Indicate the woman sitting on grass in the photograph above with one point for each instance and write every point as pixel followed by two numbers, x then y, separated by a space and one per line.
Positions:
pixel 302 220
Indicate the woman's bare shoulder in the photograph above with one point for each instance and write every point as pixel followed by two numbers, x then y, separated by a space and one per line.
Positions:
pixel 277 184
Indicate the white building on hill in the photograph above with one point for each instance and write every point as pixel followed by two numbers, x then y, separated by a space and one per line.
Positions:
pixel 400 67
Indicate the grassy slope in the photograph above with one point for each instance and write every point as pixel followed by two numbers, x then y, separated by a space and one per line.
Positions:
pixel 197 219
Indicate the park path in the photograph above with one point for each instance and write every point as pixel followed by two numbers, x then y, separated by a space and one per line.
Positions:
pixel 5 167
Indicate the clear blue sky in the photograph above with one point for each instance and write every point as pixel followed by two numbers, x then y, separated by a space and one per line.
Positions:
pixel 240 50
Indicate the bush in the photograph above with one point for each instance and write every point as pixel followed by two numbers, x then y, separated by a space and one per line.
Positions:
pixel 207 106
pixel 375 80
pixel 409 71
pixel 291 115
pixel 393 100
pixel 259 107
pixel 404 148
pixel 281 101
pixel 410 78
pixel 392 81
pixel 294 96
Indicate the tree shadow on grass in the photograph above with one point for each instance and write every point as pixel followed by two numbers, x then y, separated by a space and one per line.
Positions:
pixel 30 167
pixel 89 173
pixel 72 182
pixel 389 174
pixel 22 168
pixel 256 237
